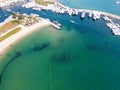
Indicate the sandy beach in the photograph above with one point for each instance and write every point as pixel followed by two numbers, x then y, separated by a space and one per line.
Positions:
pixel 28 30
pixel 25 31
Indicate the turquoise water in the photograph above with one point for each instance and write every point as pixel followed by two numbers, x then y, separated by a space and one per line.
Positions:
pixel 53 59
pixel 81 56
pixel 102 5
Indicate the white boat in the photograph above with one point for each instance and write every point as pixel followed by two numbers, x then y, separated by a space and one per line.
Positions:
pixel 56 24
pixel 70 12
pixel 36 9
pixel 90 14
pixel 72 21
pixel 117 2
pixel 83 15
pixel 105 18
pixel 96 16
pixel 117 25
pixel 8 10
pixel 115 28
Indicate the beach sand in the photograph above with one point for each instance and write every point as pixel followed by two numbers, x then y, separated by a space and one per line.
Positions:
pixel 25 31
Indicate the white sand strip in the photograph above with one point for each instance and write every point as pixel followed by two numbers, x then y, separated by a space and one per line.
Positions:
pixel 7 43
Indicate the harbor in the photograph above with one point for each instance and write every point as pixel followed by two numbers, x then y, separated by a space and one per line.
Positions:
pixel 61 9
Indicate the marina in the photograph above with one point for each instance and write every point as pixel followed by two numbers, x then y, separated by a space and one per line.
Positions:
pixel 61 9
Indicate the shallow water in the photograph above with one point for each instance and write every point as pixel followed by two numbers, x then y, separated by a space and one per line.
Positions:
pixel 81 56
pixel 64 60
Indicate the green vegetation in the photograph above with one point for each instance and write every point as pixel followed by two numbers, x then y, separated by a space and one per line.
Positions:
pixel 9 25
pixel 42 2
pixel 18 16
pixel 15 15
pixel 16 21
pixel 10 34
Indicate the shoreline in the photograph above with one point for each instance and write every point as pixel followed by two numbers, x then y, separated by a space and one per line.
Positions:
pixel 57 6
pixel 24 32
pixel 88 10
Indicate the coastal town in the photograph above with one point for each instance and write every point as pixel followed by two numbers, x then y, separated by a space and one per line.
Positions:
pixel 18 22
pixel 57 7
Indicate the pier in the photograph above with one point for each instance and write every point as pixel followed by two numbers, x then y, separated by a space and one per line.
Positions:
pixel 62 9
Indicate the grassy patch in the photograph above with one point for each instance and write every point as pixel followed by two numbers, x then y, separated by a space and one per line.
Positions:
pixel 10 34
pixel 42 2
pixel 7 26
pixel 16 21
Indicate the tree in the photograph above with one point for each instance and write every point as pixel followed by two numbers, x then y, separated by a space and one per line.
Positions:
pixel 20 17
pixel 15 15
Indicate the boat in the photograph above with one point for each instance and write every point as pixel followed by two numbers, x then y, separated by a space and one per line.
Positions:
pixel 90 14
pixel 117 2
pixel 83 15
pixel 96 16
pixel 56 24
pixel 115 28
pixel 117 25
pixel 36 9
pixel 8 10
pixel 72 21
